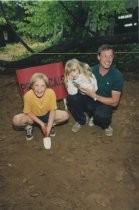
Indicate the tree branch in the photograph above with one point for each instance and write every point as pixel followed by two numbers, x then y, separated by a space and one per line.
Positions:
pixel 77 21
pixel 10 25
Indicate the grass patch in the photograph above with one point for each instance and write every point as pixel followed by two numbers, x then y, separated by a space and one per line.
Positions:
pixel 17 51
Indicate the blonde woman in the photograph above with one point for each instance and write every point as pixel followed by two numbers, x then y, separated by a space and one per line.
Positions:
pixel 40 108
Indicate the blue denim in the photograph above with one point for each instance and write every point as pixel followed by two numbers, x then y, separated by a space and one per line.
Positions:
pixel 44 118
pixel 79 104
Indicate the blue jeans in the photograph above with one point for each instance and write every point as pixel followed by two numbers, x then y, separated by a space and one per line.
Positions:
pixel 79 104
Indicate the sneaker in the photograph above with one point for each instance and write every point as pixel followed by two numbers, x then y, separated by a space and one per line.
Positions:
pixel 76 127
pixel 109 131
pixel 87 118
pixel 52 132
pixel 29 132
pixel 91 123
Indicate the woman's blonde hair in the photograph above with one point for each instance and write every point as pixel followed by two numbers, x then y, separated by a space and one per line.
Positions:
pixel 39 76
pixel 74 64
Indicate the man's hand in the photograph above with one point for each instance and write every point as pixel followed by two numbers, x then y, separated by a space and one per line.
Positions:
pixel 90 92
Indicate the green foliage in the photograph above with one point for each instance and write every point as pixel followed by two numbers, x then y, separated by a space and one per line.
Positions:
pixel 16 51
pixel 13 9
pixel 126 54
pixel 101 11
pixel 43 19
pixel 58 20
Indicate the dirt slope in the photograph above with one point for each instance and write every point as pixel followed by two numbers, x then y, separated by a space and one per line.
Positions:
pixel 83 171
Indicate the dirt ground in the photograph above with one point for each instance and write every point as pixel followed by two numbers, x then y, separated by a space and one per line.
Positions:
pixel 83 171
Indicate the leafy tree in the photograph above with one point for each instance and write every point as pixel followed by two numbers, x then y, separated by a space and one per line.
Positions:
pixel 59 20
pixel 6 19
pixel 12 9
pixel 67 19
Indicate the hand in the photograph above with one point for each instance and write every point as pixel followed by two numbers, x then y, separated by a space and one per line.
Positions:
pixel 70 77
pixel 48 131
pixel 90 92
pixel 44 129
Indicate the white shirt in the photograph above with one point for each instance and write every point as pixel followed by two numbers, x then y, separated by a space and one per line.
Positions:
pixel 83 82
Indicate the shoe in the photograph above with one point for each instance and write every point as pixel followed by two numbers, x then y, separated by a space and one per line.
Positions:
pixel 29 132
pixel 87 118
pixel 52 132
pixel 76 127
pixel 91 123
pixel 109 131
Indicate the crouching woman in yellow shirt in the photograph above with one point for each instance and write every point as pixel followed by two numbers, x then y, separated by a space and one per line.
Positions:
pixel 40 107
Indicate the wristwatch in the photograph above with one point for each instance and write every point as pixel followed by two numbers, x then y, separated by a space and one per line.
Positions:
pixel 95 98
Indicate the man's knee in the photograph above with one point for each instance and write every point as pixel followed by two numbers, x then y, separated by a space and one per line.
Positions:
pixel 102 120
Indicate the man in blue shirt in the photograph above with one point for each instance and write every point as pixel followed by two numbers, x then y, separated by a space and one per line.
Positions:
pixel 100 104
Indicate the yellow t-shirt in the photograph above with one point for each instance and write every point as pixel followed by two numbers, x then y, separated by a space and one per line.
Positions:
pixel 40 106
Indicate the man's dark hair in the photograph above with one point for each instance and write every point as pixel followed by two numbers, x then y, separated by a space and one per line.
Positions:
pixel 105 47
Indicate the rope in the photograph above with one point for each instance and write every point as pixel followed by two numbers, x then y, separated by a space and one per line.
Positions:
pixel 81 53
